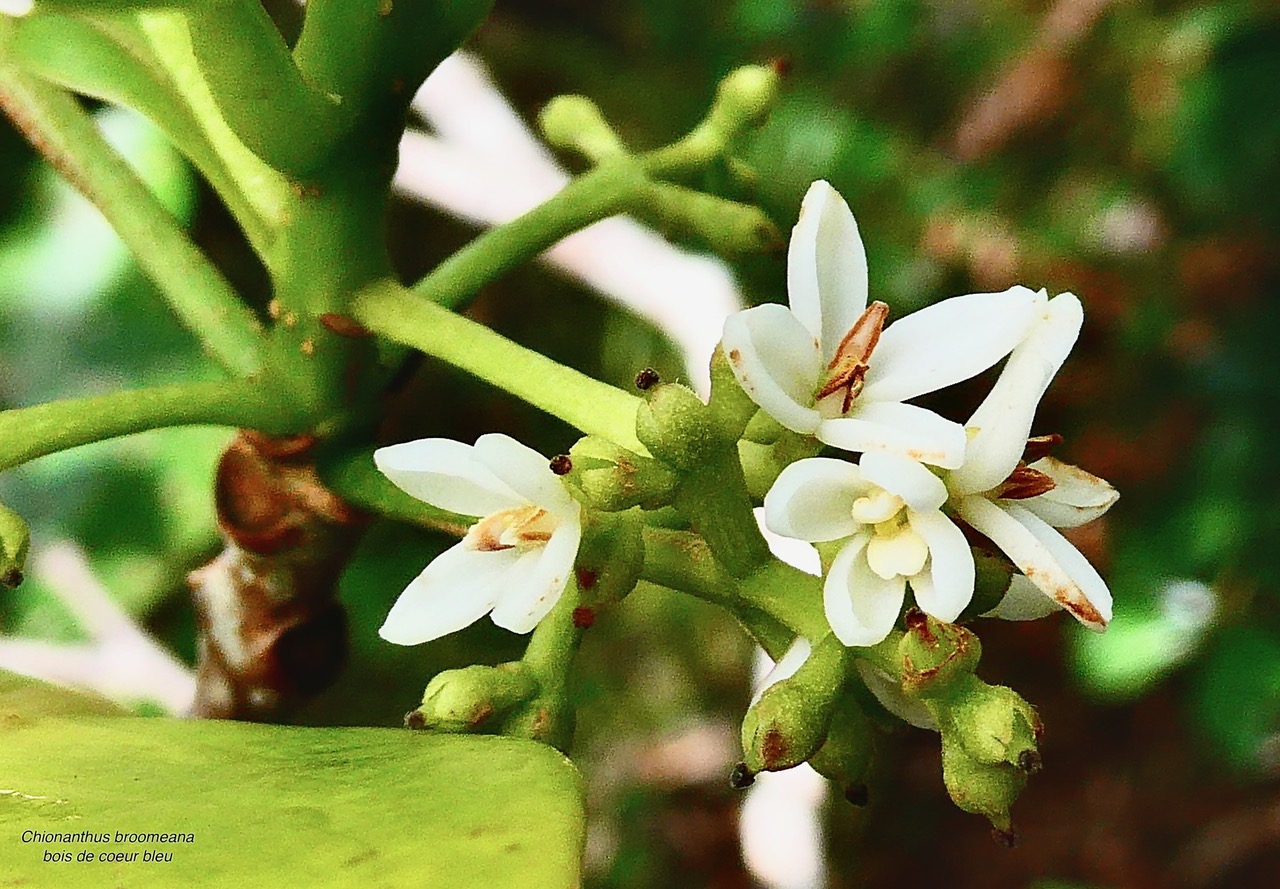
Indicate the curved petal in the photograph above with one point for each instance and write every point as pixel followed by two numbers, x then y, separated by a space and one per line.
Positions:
pixel 905 429
pixel 535 587
pixel 446 474
pixel 1077 496
pixel 1002 422
pixel 1023 601
pixel 945 587
pixel 454 591
pixel 786 666
pixel 777 362
pixel 796 553
pixel 919 488
pixel 947 342
pixel 1044 556
pixel 826 267
pixel 526 472
pixel 861 606
pixel 812 500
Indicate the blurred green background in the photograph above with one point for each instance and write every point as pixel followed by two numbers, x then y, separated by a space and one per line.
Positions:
pixel 1128 152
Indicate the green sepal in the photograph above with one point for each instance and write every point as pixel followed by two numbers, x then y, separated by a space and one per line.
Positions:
pixel 15 541
pixel 608 477
pixel 468 699
pixel 978 787
pixel 789 723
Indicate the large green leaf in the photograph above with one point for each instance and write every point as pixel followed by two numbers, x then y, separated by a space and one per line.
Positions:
pixel 274 805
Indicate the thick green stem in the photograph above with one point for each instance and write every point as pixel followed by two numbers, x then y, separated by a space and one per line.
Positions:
pixel 594 407
pixel 197 292
pixel 607 190
pixel 31 432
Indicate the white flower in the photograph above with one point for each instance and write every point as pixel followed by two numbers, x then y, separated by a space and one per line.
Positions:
pixel 886 510
pixel 829 367
pixel 514 562
pixel 1018 504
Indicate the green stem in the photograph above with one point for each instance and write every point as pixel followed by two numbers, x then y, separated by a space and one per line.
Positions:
pixel 31 432
pixel 196 291
pixel 549 717
pixel 606 191
pixel 594 407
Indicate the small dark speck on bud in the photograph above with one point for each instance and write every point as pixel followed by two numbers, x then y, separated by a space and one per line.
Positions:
pixel 781 65
pixel 1007 838
pixel 1029 761
pixel 12 578
pixel 583 617
pixel 647 379
pixel 857 795
pixel 561 464
pixel 741 778
pixel 415 720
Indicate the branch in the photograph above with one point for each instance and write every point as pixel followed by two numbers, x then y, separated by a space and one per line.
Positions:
pixel 196 291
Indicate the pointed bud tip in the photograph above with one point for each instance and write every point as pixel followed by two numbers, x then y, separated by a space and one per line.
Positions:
pixel 1006 837
pixel 647 379
pixel 414 720
pixel 12 579
pixel 741 777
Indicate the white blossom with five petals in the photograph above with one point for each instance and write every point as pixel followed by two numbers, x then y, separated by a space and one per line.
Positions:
pixel 829 367
pixel 886 510
pixel 513 564
pixel 1019 505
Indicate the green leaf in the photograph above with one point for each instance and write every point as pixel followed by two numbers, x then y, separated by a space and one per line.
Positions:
pixel 268 805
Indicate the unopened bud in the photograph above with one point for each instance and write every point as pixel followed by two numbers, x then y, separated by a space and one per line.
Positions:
pixel 994 725
pixel 575 123
pixel 610 557
pixel 728 227
pixel 677 427
pixel 845 756
pixel 789 722
pixel 936 655
pixel 744 99
pixel 978 787
pixel 15 540
pixel 611 478
pixel 464 700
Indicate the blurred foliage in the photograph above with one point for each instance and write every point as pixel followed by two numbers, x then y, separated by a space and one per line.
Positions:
pixel 1124 151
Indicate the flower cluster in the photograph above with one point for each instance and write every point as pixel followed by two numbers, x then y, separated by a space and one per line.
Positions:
pixel 831 368
pixel 828 368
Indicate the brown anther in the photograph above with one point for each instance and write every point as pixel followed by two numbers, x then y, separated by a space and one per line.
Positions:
pixel 561 464
pixel 583 617
pixel 741 777
pixel 486 535
pixel 415 721
pixel 344 325
pixel 849 366
pixel 647 379
pixel 1024 482
pixel 1040 446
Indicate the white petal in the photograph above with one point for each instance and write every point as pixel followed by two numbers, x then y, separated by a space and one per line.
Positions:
pixel 535 587
pixel 826 267
pixel 455 590
pixel 861 606
pixel 1002 422
pixel 777 362
pixel 918 487
pixel 526 472
pixel 796 553
pixel 888 691
pixel 446 474
pixel 786 666
pixel 1023 601
pixel 1044 556
pixel 949 341
pixel 1077 496
pixel 812 500
pixel 945 587
pixel 904 429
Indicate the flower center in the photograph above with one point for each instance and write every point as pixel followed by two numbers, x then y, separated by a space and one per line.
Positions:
pixel 895 549
pixel 848 368
pixel 523 526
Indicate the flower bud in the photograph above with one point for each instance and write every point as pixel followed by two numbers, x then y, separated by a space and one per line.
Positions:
pixel 611 478
pixel 728 227
pixel 994 725
pixel 789 722
pixel 845 756
pixel 610 558
pixel 978 787
pixel 677 427
pixel 15 540
pixel 464 700
pixel 731 407
pixel 936 655
pixel 743 99
pixel 575 123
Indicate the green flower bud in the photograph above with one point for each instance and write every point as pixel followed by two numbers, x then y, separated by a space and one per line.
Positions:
pixel 678 428
pixel 978 787
pixel 611 478
pixel 15 540
pixel 789 722
pixel 743 99
pixel 575 123
pixel 731 407
pixel 845 756
pixel 936 655
pixel 994 725
pixel 464 700
pixel 610 559
pixel 727 227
